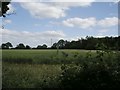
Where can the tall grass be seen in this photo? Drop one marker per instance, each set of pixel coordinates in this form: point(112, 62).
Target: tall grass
point(66, 69)
point(30, 76)
point(41, 56)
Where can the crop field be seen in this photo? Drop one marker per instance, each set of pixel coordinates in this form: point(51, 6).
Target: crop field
point(42, 56)
point(60, 69)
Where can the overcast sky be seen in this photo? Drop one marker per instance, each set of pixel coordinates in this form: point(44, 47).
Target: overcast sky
point(37, 23)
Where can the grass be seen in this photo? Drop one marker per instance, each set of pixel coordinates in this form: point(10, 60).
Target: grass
point(34, 68)
point(30, 76)
point(41, 56)
point(47, 69)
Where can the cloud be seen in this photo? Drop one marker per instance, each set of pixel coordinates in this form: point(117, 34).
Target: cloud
point(65, 0)
point(30, 38)
point(37, 24)
point(6, 21)
point(102, 32)
point(11, 9)
point(72, 3)
point(53, 1)
point(90, 22)
point(42, 10)
point(53, 9)
point(80, 22)
point(108, 22)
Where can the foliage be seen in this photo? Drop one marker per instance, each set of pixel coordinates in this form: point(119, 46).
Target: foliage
point(41, 56)
point(67, 69)
point(30, 76)
point(6, 45)
point(89, 43)
point(100, 71)
point(44, 46)
point(4, 7)
point(28, 47)
point(20, 46)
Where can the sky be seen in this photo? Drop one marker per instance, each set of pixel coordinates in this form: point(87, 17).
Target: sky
point(38, 23)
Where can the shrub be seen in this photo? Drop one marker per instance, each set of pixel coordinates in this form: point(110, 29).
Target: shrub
point(93, 72)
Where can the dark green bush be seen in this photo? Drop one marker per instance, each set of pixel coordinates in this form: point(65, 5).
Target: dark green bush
point(100, 71)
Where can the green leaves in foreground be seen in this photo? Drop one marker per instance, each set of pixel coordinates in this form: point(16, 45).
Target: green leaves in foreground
point(100, 72)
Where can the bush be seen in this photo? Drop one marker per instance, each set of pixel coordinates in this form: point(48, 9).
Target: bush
point(101, 71)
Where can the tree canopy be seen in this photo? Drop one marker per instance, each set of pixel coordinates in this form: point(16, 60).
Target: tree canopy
point(89, 43)
point(4, 7)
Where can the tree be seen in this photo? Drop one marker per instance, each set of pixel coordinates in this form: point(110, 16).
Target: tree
point(4, 46)
point(54, 46)
point(28, 47)
point(9, 44)
point(20, 46)
point(4, 7)
point(61, 43)
point(44, 46)
point(39, 47)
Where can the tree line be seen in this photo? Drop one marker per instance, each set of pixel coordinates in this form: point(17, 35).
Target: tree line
point(89, 43)
point(8, 45)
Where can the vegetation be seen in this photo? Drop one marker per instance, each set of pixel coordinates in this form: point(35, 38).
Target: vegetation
point(42, 56)
point(89, 43)
point(67, 69)
point(100, 71)
point(64, 65)
point(4, 7)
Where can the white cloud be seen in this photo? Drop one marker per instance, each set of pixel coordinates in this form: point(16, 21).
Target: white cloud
point(72, 3)
point(37, 24)
point(102, 32)
point(11, 9)
point(108, 22)
point(90, 22)
point(80, 22)
point(53, 9)
point(7, 21)
point(53, 0)
point(65, 0)
point(30, 38)
point(42, 10)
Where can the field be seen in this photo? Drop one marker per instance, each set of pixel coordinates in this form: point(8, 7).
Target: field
point(56, 69)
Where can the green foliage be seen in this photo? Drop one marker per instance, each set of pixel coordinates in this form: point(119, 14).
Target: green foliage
point(28, 47)
point(90, 43)
point(44, 46)
point(67, 69)
point(4, 7)
point(30, 76)
point(6, 45)
point(20, 46)
point(41, 56)
point(100, 71)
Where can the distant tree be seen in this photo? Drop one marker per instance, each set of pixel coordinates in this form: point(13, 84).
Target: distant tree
point(20, 46)
point(28, 47)
point(9, 44)
point(39, 47)
point(61, 43)
point(54, 46)
point(4, 46)
point(44, 46)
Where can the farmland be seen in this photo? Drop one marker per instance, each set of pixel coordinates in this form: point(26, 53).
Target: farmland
point(65, 68)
